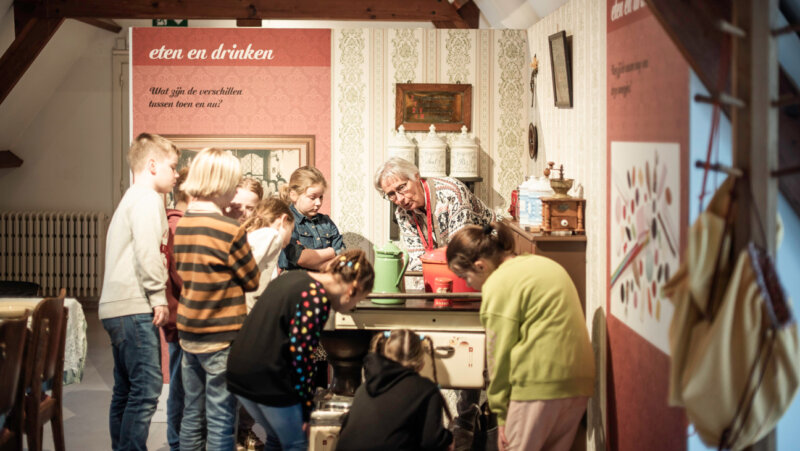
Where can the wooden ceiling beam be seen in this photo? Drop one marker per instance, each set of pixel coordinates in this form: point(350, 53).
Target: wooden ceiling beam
point(383, 10)
point(105, 24)
point(248, 22)
point(23, 12)
point(25, 48)
point(468, 11)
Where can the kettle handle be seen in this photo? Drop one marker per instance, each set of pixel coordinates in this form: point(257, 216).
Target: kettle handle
point(402, 271)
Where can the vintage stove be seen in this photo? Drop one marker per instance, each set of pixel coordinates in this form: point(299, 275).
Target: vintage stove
point(458, 337)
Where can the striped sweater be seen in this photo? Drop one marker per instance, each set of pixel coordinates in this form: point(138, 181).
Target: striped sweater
point(217, 266)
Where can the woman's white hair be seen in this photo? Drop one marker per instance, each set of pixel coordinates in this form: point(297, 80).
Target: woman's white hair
point(395, 168)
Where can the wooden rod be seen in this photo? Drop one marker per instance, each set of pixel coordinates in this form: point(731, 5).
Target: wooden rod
point(786, 100)
point(788, 171)
point(722, 98)
point(727, 27)
point(736, 172)
point(786, 30)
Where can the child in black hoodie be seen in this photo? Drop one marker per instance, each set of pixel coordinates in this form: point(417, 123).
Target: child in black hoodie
point(396, 408)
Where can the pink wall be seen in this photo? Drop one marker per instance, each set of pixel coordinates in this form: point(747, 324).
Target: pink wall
point(287, 92)
point(656, 109)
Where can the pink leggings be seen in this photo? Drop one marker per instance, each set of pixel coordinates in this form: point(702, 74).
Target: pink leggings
point(544, 425)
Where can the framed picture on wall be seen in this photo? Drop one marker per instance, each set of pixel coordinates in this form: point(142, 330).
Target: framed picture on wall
point(447, 106)
point(270, 159)
point(561, 68)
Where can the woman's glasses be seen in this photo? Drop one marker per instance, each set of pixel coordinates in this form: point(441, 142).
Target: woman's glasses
point(401, 189)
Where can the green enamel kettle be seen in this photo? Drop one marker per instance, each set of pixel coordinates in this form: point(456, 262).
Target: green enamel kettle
point(390, 265)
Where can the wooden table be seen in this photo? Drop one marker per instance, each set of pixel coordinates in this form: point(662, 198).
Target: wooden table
point(75, 346)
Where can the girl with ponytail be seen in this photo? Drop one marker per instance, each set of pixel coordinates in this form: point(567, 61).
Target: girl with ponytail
point(396, 408)
point(270, 368)
point(540, 360)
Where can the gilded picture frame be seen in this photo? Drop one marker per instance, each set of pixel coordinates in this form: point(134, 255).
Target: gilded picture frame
point(270, 159)
point(447, 106)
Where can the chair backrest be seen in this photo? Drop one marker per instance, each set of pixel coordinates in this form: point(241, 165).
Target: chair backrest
point(13, 333)
point(45, 357)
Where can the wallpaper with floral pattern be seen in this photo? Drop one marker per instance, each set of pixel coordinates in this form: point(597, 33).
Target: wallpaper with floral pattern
point(366, 65)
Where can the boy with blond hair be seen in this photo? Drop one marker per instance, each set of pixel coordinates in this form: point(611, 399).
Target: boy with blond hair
point(217, 266)
point(133, 302)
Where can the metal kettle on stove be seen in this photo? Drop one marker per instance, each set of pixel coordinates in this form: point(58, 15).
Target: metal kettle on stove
point(390, 265)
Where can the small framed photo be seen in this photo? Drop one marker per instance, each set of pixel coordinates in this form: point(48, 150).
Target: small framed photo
point(447, 106)
point(560, 64)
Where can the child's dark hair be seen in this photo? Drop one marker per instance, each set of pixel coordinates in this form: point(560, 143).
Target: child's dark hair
point(353, 266)
point(490, 242)
point(178, 194)
point(406, 348)
point(266, 212)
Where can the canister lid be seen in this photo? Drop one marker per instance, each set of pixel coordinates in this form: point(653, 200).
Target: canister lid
point(463, 139)
point(435, 256)
point(400, 139)
point(389, 249)
point(432, 140)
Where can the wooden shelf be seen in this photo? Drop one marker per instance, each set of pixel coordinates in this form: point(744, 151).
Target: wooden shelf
point(470, 179)
point(533, 236)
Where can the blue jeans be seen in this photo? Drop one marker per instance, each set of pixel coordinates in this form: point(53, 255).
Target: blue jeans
point(175, 399)
point(207, 402)
point(137, 379)
point(285, 423)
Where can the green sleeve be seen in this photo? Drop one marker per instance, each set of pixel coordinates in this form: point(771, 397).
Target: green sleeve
point(501, 335)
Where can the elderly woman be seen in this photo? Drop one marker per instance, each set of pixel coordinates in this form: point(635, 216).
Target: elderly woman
point(429, 212)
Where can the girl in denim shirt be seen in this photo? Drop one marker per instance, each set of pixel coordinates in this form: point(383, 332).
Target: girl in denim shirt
point(316, 239)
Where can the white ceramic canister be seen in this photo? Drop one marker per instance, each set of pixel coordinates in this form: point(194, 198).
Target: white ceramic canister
point(401, 146)
point(524, 200)
point(432, 155)
point(539, 189)
point(464, 156)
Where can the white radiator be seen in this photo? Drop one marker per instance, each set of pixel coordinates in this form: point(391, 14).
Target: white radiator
point(54, 249)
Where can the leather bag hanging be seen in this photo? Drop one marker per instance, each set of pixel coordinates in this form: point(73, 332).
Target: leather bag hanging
point(733, 341)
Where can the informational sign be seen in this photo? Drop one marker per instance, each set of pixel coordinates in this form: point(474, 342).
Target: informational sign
point(222, 84)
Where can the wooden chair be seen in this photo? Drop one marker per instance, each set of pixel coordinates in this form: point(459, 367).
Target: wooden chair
point(13, 333)
point(44, 363)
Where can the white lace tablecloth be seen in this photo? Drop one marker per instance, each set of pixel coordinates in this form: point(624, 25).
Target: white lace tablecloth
point(75, 346)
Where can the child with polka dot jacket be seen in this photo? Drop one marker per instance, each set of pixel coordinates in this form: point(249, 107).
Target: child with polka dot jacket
point(269, 368)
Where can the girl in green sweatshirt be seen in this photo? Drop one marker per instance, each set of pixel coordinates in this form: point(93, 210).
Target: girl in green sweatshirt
point(541, 365)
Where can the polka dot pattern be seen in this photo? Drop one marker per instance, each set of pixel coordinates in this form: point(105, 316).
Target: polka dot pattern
point(304, 331)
